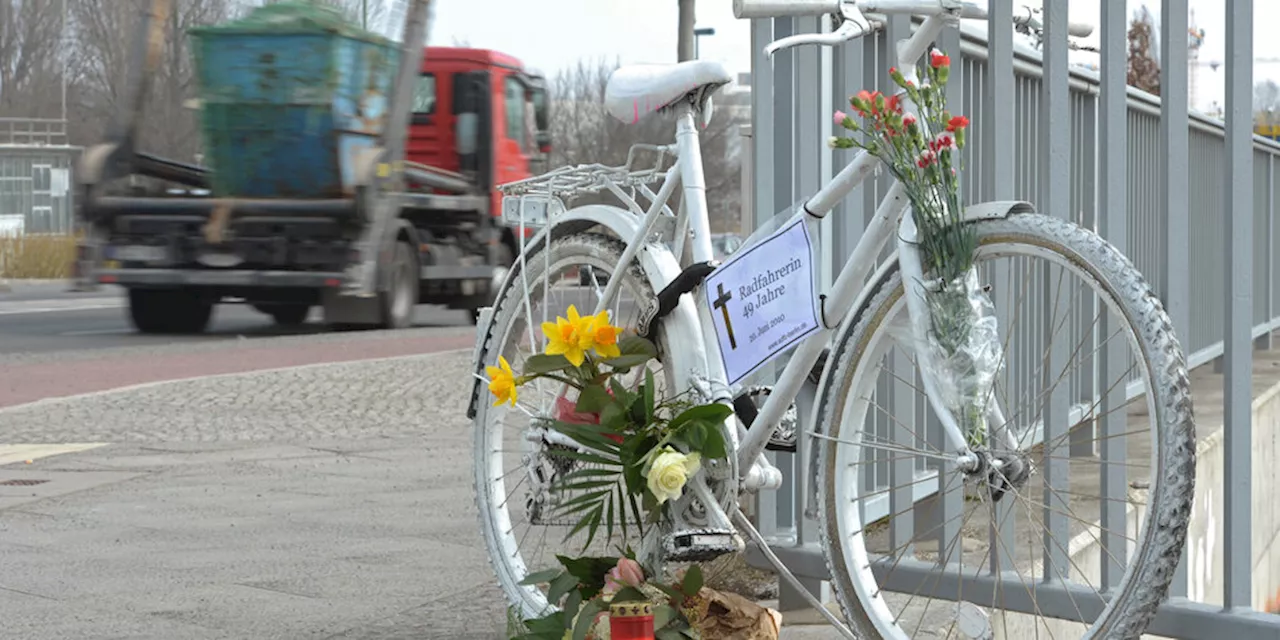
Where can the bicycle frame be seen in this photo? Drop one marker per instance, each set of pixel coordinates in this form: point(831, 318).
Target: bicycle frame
point(893, 213)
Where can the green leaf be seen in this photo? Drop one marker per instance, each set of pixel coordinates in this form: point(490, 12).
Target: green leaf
point(588, 521)
point(571, 607)
point(693, 435)
point(561, 586)
point(622, 394)
point(608, 517)
point(713, 446)
point(584, 498)
point(586, 618)
point(581, 455)
point(592, 399)
point(632, 455)
point(692, 580)
point(548, 626)
point(624, 363)
point(589, 571)
point(633, 345)
point(637, 411)
point(542, 363)
point(713, 413)
point(590, 436)
point(614, 416)
point(590, 472)
point(628, 594)
point(635, 513)
point(648, 396)
point(542, 577)
point(662, 615)
point(665, 634)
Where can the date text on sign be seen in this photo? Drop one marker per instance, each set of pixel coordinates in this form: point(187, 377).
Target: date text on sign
point(762, 301)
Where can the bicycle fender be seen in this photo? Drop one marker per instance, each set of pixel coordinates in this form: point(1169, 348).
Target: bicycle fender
point(994, 210)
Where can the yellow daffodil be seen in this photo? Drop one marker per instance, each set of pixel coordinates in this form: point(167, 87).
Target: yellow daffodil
point(604, 336)
point(502, 382)
point(570, 338)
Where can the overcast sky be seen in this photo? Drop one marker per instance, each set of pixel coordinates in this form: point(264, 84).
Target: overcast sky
point(554, 34)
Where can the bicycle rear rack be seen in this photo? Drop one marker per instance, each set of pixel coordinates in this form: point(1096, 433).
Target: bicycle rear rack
point(532, 202)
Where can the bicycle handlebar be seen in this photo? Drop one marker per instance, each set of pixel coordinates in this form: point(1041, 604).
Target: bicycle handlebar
point(751, 9)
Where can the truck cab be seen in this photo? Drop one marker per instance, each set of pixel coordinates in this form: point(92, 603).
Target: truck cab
point(479, 113)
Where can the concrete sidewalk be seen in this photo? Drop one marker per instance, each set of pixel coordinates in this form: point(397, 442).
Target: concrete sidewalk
point(337, 539)
point(327, 540)
point(276, 504)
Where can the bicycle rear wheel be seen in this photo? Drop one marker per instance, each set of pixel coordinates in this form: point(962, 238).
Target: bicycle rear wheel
point(920, 546)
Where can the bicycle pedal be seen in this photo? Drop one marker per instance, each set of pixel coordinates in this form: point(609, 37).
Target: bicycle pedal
point(700, 545)
point(747, 406)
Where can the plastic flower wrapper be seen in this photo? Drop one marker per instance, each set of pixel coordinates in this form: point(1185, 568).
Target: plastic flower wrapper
point(964, 352)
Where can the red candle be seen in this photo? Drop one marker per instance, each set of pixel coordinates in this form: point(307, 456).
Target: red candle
point(631, 621)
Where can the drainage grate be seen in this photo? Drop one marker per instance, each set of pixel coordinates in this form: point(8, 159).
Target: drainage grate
point(21, 483)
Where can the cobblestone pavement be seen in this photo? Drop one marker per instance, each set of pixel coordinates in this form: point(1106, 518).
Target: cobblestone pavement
point(330, 501)
point(362, 399)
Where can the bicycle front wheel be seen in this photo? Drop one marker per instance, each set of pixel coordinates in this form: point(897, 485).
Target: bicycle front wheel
point(1070, 526)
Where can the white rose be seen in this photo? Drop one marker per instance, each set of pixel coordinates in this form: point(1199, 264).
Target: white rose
point(669, 471)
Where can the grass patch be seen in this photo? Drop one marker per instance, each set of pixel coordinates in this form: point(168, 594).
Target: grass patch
point(37, 256)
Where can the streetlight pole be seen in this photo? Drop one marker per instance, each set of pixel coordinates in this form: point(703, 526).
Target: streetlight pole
point(685, 41)
point(62, 50)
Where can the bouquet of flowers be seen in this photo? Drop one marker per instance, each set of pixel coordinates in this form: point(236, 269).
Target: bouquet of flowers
point(636, 452)
point(641, 448)
point(607, 597)
point(922, 150)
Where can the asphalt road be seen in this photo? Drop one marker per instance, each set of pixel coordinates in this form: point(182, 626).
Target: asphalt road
point(45, 317)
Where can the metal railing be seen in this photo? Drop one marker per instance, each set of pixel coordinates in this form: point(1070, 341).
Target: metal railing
point(1177, 198)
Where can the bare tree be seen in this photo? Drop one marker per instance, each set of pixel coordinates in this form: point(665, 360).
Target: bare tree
point(1266, 102)
point(30, 62)
point(582, 133)
point(369, 14)
point(1144, 72)
point(105, 31)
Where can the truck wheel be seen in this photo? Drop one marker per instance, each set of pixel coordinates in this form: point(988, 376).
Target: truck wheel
point(401, 298)
point(161, 311)
point(288, 315)
point(505, 260)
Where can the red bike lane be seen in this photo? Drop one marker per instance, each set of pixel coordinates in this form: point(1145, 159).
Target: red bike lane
point(21, 383)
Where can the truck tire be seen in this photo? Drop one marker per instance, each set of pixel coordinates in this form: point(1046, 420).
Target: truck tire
point(505, 260)
point(168, 311)
point(288, 315)
point(401, 297)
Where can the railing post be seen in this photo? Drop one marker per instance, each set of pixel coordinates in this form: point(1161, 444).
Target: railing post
point(1264, 341)
point(1113, 225)
point(764, 171)
point(1237, 343)
point(1175, 140)
point(998, 112)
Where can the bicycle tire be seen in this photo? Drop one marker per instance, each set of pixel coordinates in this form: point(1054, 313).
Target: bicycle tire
point(1133, 605)
point(603, 253)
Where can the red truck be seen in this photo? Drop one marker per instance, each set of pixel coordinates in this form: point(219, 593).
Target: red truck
point(414, 217)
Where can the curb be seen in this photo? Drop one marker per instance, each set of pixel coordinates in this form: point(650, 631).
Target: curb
point(57, 400)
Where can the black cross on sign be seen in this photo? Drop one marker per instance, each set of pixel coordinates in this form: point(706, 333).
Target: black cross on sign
point(722, 304)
